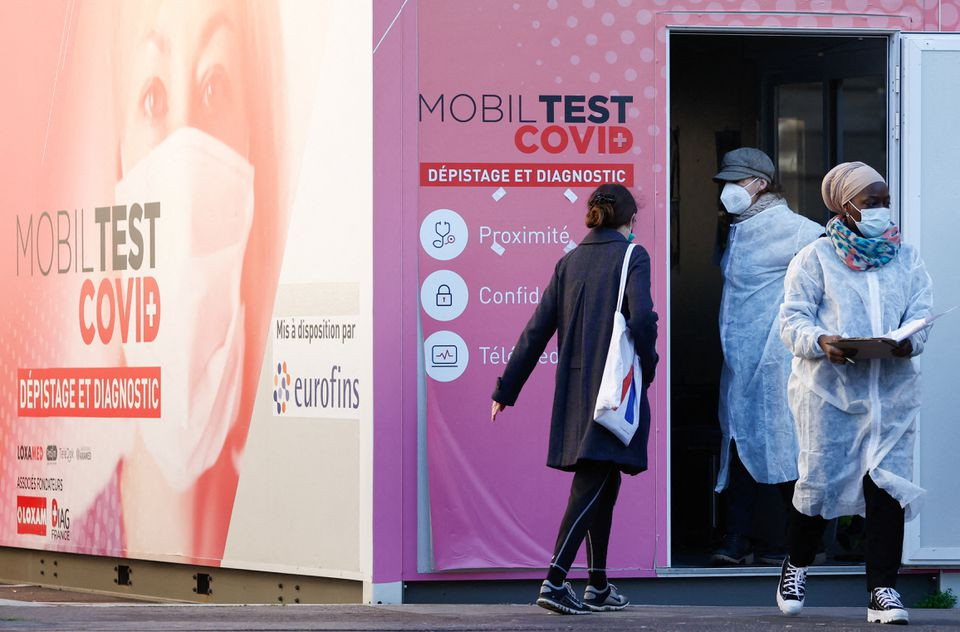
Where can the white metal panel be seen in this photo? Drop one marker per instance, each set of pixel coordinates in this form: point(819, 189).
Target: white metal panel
point(930, 213)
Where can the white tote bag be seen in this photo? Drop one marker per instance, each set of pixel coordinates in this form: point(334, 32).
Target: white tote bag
point(618, 401)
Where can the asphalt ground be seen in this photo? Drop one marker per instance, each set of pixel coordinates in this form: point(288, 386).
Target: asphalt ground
point(31, 608)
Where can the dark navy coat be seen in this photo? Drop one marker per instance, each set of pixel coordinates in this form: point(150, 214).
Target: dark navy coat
point(578, 305)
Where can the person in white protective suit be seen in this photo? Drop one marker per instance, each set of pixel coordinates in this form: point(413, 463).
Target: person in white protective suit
point(856, 418)
point(759, 445)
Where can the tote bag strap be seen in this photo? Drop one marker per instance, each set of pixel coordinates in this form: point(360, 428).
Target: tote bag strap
point(623, 276)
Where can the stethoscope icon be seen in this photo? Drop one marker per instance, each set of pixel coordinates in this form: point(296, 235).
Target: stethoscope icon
point(442, 229)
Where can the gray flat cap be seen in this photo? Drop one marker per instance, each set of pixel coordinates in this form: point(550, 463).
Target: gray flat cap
point(745, 162)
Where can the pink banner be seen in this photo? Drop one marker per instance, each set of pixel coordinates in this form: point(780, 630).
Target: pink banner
point(520, 119)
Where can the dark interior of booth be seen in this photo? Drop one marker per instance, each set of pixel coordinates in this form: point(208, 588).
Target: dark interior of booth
point(809, 103)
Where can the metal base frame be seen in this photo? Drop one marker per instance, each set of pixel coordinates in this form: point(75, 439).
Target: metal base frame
point(165, 581)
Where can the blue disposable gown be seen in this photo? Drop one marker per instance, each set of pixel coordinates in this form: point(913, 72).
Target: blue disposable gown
point(753, 385)
point(853, 419)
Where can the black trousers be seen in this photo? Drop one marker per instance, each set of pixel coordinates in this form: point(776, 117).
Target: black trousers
point(589, 516)
point(742, 492)
point(884, 525)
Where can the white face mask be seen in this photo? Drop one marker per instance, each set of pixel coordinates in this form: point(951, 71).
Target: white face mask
point(205, 190)
point(735, 198)
point(873, 221)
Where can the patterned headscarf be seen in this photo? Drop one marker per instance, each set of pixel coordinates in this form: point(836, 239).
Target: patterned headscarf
point(843, 182)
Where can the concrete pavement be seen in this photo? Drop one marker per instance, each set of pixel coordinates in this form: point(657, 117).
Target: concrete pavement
point(61, 611)
point(444, 618)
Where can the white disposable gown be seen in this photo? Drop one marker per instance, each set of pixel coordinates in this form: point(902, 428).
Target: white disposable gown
point(753, 385)
point(853, 419)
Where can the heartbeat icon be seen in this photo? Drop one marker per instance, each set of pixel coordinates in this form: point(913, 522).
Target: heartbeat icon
point(443, 355)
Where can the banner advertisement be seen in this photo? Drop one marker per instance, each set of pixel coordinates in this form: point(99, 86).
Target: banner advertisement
point(182, 314)
point(524, 109)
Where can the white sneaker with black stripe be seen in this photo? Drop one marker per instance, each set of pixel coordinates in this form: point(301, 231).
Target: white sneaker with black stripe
point(886, 607)
point(560, 599)
point(792, 588)
point(604, 599)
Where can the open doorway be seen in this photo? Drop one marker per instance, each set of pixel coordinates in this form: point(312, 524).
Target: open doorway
point(809, 103)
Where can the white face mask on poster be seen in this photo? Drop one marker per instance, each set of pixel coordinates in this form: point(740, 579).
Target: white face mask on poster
point(735, 198)
point(873, 221)
point(205, 190)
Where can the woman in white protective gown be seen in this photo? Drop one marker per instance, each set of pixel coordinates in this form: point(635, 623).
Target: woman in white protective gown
point(856, 419)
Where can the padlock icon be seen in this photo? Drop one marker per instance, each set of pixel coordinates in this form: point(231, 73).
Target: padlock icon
point(444, 296)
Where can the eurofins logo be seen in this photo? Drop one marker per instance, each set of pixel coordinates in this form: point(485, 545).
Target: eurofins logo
point(281, 387)
point(307, 396)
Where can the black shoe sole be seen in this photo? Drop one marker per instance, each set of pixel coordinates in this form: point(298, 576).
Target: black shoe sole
point(559, 608)
point(769, 561)
point(726, 560)
point(820, 558)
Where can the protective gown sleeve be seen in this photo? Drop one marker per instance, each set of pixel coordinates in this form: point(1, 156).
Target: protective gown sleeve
point(530, 346)
point(803, 290)
point(920, 302)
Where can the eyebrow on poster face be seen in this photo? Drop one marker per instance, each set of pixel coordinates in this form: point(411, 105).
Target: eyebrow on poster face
point(216, 21)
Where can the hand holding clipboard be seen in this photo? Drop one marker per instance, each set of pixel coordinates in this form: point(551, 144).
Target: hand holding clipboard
point(883, 346)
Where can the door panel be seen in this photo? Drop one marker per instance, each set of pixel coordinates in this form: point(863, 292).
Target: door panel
point(930, 146)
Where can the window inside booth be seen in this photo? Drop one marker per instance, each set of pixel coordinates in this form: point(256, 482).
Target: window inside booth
point(808, 103)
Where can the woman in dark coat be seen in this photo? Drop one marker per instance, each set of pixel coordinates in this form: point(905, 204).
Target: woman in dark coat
point(579, 304)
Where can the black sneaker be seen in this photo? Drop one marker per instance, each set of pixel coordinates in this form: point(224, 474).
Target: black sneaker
point(604, 600)
point(560, 599)
point(736, 550)
point(886, 607)
point(791, 588)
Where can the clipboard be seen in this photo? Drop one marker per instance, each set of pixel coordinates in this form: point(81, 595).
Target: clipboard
point(884, 346)
point(866, 348)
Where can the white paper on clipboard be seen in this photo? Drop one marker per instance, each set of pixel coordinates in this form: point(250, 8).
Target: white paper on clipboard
point(904, 332)
point(884, 346)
